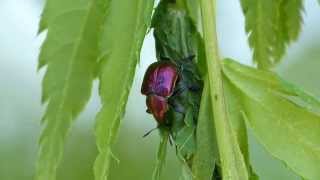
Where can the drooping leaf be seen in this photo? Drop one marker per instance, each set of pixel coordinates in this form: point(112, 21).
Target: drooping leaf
point(271, 26)
point(125, 27)
point(284, 119)
point(206, 155)
point(161, 156)
point(69, 54)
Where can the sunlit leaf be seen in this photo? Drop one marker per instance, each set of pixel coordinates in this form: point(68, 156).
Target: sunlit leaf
point(69, 54)
point(125, 27)
point(284, 119)
point(235, 114)
point(271, 26)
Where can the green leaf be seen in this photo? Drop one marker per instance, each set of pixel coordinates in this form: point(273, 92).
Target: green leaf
point(207, 149)
point(271, 26)
point(174, 32)
point(125, 28)
point(69, 54)
point(284, 119)
point(185, 141)
point(193, 9)
point(161, 156)
point(235, 114)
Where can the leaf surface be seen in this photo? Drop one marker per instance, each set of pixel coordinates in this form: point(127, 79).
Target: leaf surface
point(235, 114)
point(207, 149)
point(69, 54)
point(283, 118)
point(271, 26)
point(124, 31)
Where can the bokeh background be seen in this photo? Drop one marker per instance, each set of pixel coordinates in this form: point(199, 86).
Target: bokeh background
point(20, 92)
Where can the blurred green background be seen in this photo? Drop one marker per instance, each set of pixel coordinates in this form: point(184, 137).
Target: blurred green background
point(20, 93)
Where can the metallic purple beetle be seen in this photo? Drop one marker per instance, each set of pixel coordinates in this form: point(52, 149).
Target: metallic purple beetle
point(158, 85)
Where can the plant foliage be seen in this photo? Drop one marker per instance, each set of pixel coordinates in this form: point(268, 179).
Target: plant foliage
point(88, 39)
point(207, 155)
point(77, 34)
point(233, 165)
point(283, 118)
point(271, 26)
point(69, 54)
point(161, 156)
point(119, 55)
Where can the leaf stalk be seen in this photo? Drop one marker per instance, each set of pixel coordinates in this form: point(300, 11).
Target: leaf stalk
point(213, 61)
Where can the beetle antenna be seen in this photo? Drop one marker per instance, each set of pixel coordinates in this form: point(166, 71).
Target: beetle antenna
point(170, 140)
point(150, 131)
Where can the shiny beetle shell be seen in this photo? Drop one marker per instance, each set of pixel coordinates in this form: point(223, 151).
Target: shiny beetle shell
point(158, 106)
point(158, 85)
point(160, 79)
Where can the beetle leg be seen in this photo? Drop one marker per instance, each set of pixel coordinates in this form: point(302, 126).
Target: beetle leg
point(170, 140)
point(150, 131)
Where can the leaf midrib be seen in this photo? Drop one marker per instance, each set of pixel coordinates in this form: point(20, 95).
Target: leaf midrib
point(311, 145)
point(70, 69)
point(114, 126)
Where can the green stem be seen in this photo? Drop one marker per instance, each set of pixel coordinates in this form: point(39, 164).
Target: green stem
point(161, 156)
point(222, 125)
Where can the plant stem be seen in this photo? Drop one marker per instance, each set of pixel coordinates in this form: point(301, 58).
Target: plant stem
point(223, 129)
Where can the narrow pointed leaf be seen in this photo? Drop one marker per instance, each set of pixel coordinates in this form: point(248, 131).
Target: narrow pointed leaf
point(284, 119)
point(271, 26)
point(69, 54)
point(125, 27)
